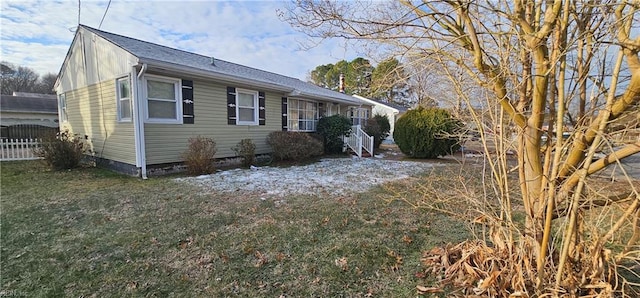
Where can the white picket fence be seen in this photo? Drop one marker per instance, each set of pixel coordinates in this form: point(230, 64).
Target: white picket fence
point(18, 149)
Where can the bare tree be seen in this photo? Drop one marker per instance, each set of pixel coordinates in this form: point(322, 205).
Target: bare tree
point(17, 78)
point(534, 60)
point(45, 84)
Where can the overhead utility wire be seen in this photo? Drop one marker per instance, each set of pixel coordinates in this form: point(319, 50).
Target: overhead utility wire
point(105, 14)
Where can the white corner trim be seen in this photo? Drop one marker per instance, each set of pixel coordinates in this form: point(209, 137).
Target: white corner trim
point(138, 120)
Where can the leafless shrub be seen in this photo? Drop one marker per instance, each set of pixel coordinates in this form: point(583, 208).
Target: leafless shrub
point(199, 155)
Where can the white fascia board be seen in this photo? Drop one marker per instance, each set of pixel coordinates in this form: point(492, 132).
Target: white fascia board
point(395, 111)
point(331, 99)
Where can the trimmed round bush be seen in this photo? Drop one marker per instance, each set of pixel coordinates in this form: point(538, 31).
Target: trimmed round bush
point(427, 133)
point(332, 128)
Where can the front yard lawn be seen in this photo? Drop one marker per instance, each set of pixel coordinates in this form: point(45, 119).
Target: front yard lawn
point(90, 232)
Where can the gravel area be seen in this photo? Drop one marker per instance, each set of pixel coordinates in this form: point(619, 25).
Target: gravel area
point(334, 176)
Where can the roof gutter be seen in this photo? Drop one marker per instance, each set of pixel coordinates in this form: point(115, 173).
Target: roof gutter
point(138, 123)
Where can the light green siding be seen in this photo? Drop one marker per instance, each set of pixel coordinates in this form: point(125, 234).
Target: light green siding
point(92, 112)
point(166, 142)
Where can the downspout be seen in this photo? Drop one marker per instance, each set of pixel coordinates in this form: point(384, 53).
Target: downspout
point(138, 123)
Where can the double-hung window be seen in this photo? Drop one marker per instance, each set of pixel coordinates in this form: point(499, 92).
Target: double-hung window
point(164, 104)
point(247, 107)
point(62, 106)
point(123, 92)
point(303, 115)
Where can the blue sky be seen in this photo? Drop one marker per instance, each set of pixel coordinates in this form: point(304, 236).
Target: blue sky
point(37, 34)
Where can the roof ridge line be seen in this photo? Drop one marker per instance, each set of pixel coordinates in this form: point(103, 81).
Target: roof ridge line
point(188, 52)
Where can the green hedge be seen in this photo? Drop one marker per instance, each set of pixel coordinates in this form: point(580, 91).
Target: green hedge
point(427, 133)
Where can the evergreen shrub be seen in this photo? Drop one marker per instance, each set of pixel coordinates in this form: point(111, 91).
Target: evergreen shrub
point(332, 129)
point(427, 133)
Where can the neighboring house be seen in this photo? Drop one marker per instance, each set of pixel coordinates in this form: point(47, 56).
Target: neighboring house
point(25, 115)
point(138, 103)
point(391, 110)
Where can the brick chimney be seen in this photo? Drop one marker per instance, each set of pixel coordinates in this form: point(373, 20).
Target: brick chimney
point(341, 84)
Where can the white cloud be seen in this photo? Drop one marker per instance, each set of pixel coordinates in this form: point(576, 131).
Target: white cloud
point(36, 33)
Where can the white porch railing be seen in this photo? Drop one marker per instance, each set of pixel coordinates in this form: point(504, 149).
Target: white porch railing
point(359, 140)
point(18, 149)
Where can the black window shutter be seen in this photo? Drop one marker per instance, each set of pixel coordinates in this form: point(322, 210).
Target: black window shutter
point(285, 119)
point(321, 110)
point(231, 105)
point(261, 108)
point(187, 102)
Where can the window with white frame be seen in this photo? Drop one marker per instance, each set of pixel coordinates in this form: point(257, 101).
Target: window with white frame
point(62, 105)
point(246, 107)
point(332, 109)
point(163, 100)
point(123, 94)
point(303, 115)
point(359, 116)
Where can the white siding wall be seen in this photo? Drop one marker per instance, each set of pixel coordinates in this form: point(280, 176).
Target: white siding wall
point(92, 60)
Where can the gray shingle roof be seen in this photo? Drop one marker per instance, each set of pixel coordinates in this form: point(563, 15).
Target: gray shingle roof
point(150, 51)
point(9, 103)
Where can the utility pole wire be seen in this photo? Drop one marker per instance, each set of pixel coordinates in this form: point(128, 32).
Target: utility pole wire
point(105, 14)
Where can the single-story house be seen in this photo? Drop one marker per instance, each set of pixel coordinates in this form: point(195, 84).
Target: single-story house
point(391, 110)
point(138, 103)
point(25, 115)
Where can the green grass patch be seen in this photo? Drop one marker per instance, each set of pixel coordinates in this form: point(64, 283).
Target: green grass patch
point(91, 232)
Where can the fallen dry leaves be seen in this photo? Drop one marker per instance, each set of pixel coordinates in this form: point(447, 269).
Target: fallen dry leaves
point(474, 269)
